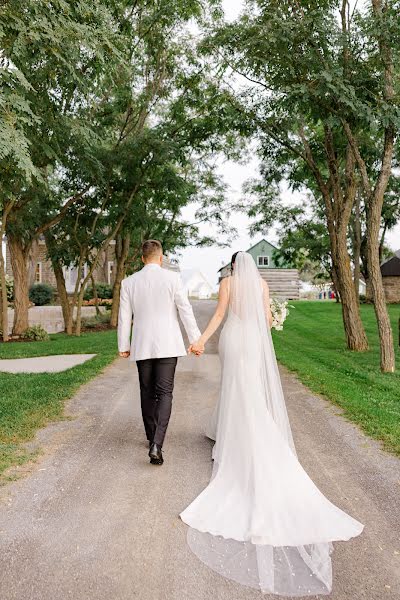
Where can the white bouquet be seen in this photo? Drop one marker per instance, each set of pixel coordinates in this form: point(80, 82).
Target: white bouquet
point(280, 311)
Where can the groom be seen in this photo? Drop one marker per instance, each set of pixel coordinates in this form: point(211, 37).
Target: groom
point(152, 296)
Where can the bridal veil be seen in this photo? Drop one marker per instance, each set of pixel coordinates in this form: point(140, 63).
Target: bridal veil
point(261, 521)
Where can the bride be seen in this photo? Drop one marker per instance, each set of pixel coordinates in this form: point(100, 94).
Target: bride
point(261, 521)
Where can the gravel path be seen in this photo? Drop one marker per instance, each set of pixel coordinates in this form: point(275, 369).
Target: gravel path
point(92, 520)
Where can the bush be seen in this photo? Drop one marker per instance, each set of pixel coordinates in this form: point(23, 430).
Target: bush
point(41, 294)
point(9, 287)
point(104, 291)
point(93, 322)
point(36, 333)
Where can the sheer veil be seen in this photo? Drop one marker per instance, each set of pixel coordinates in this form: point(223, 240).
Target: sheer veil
point(260, 521)
point(246, 302)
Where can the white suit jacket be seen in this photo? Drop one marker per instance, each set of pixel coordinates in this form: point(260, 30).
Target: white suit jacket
point(153, 296)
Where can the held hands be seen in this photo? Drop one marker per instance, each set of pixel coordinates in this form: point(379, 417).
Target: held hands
point(124, 354)
point(196, 348)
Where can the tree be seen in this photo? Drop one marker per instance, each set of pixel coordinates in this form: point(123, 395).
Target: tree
point(153, 129)
point(52, 55)
point(321, 80)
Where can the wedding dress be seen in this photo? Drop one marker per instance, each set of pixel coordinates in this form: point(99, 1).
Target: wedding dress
point(261, 521)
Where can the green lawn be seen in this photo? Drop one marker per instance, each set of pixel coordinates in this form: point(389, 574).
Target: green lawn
point(29, 401)
point(312, 345)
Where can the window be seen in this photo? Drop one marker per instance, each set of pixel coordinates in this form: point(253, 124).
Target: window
point(38, 273)
point(110, 271)
point(263, 261)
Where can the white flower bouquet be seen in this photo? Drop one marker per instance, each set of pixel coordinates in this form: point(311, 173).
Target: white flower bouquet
point(280, 311)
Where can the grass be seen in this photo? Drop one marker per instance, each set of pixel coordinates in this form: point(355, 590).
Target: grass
point(312, 345)
point(30, 401)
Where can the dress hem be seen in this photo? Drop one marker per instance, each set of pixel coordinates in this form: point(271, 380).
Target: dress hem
point(274, 544)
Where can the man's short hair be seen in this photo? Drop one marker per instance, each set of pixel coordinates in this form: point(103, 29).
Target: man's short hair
point(151, 248)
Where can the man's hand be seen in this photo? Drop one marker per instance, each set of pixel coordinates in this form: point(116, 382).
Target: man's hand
point(196, 348)
point(124, 354)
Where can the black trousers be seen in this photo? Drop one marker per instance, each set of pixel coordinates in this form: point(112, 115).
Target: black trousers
point(156, 377)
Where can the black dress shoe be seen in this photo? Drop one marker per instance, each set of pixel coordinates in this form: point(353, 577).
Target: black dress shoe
point(156, 457)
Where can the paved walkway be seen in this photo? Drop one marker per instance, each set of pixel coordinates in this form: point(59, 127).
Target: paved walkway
point(43, 364)
point(94, 521)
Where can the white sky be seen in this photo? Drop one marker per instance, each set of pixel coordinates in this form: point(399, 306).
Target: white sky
point(209, 260)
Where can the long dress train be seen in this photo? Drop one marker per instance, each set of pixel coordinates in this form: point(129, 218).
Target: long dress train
point(261, 521)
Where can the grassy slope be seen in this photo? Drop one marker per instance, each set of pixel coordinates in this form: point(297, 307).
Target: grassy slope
point(29, 401)
point(312, 345)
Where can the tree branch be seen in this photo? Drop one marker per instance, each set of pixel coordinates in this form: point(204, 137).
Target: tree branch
point(57, 218)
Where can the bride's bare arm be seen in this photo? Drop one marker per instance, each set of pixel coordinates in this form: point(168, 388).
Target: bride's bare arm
point(216, 319)
point(267, 306)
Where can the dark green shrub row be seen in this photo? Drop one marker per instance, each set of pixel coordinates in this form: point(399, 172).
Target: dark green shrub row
point(104, 291)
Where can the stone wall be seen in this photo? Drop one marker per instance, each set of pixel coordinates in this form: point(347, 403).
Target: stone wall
point(391, 286)
point(50, 317)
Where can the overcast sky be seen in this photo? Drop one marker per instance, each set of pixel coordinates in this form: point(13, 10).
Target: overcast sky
point(209, 260)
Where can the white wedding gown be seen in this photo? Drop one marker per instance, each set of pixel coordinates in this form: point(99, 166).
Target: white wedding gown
point(261, 521)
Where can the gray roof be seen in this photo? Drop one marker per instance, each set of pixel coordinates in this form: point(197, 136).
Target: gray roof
point(251, 248)
point(391, 267)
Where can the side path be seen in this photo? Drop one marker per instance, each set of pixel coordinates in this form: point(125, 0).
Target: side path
point(95, 521)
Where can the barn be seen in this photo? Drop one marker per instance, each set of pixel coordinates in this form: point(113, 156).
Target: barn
point(283, 283)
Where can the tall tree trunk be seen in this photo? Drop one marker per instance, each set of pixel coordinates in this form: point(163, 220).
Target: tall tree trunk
point(60, 281)
point(378, 293)
point(63, 296)
point(3, 299)
point(338, 205)
point(18, 254)
point(335, 284)
point(78, 323)
point(32, 259)
point(121, 255)
point(95, 296)
point(382, 242)
point(356, 338)
point(354, 328)
point(375, 195)
point(357, 245)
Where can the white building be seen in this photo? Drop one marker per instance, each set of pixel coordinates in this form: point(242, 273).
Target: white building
point(195, 284)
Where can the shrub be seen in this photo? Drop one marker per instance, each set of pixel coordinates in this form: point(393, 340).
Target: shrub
point(36, 333)
point(104, 291)
point(92, 322)
point(41, 294)
point(9, 287)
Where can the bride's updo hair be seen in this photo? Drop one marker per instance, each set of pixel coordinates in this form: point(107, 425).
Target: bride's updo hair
point(234, 255)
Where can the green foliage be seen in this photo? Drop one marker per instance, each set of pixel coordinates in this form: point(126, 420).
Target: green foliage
point(51, 56)
point(304, 244)
point(10, 288)
point(41, 294)
point(104, 290)
point(36, 333)
point(304, 70)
